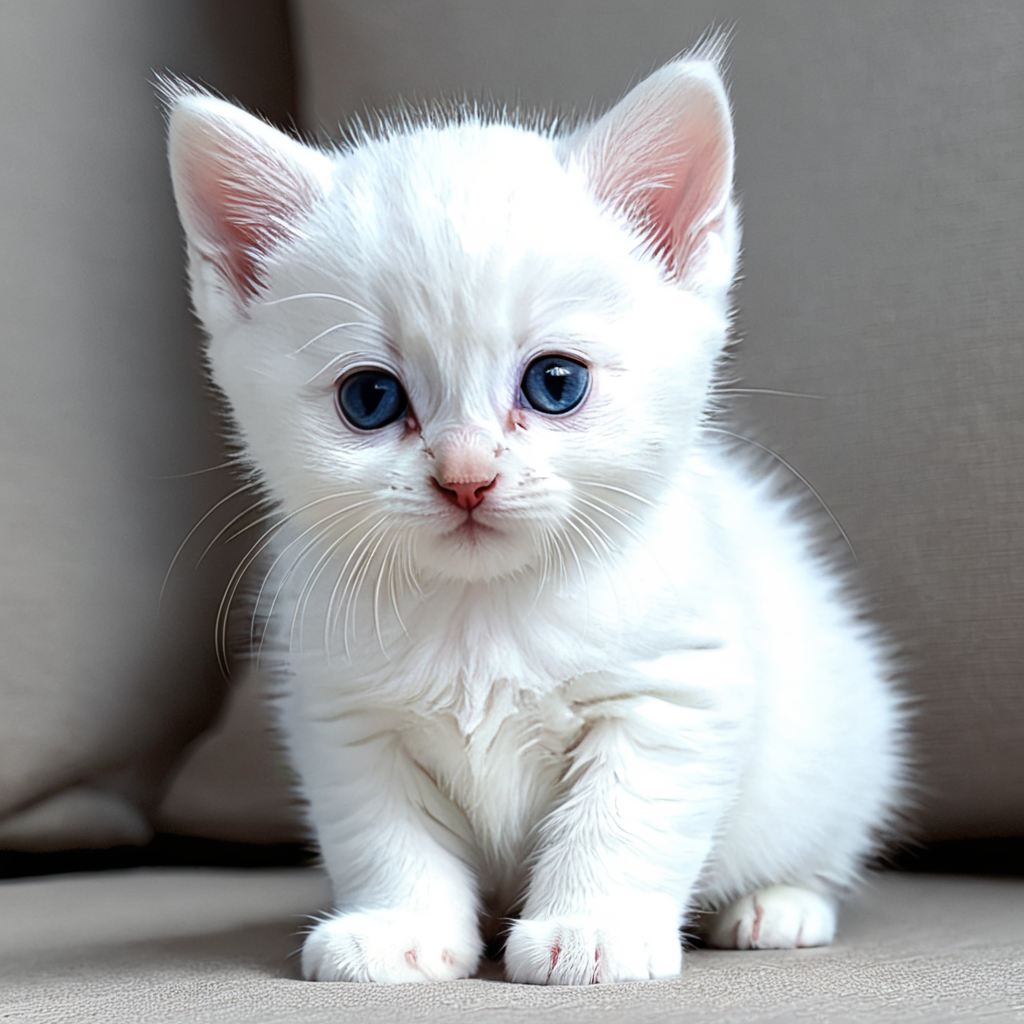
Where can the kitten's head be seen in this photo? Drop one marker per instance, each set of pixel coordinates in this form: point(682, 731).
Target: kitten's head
point(470, 346)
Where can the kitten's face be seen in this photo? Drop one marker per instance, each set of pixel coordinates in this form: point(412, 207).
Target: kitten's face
point(456, 357)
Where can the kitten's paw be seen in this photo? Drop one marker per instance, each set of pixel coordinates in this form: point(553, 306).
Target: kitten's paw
point(581, 951)
point(390, 946)
point(779, 917)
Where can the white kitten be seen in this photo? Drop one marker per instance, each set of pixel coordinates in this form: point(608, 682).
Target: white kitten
point(543, 648)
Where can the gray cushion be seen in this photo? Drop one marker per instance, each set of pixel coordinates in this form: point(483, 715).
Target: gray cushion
point(102, 405)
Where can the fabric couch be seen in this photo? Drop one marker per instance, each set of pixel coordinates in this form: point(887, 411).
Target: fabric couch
point(881, 173)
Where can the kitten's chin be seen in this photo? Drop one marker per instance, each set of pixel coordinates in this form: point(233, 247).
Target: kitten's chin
point(475, 552)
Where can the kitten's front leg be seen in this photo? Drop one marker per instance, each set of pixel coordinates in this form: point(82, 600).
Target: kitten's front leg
point(406, 906)
point(621, 854)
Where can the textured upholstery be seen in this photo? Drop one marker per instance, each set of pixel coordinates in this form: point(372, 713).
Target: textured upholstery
point(213, 947)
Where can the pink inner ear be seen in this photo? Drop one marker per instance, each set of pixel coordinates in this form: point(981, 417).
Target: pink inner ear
point(666, 161)
point(242, 188)
point(692, 202)
point(246, 222)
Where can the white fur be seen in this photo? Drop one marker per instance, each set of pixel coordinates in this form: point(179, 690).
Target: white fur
point(636, 692)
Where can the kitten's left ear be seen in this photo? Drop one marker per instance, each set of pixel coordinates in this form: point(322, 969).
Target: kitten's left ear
point(242, 188)
point(663, 156)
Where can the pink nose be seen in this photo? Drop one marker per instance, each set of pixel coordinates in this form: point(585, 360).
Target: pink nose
point(466, 494)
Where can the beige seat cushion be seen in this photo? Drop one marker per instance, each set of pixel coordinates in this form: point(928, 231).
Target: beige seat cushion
point(215, 947)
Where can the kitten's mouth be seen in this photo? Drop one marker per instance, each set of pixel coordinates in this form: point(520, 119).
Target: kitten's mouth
point(471, 530)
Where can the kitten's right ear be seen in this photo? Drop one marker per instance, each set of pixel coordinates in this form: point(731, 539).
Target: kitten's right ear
point(242, 187)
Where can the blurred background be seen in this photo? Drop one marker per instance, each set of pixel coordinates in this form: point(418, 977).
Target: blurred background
point(880, 172)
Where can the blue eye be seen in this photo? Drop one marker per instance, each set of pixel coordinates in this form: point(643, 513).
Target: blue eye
point(555, 384)
point(371, 399)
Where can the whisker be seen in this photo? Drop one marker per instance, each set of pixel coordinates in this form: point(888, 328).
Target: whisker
point(600, 535)
point(250, 557)
point(410, 573)
point(328, 497)
point(324, 526)
point(602, 538)
point(611, 516)
point(767, 391)
point(396, 557)
point(235, 519)
point(356, 559)
point(563, 571)
point(775, 455)
point(583, 575)
point(324, 333)
point(227, 598)
point(298, 617)
point(376, 590)
point(621, 490)
point(605, 503)
point(545, 544)
point(341, 357)
point(545, 554)
point(342, 585)
point(319, 295)
point(359, 575)
point(280, 589)
point(230, 464)
point(191, 533)
point(573, 522)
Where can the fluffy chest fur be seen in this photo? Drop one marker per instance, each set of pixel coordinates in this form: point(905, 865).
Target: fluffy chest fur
point(503, 774)
point(491, 690)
